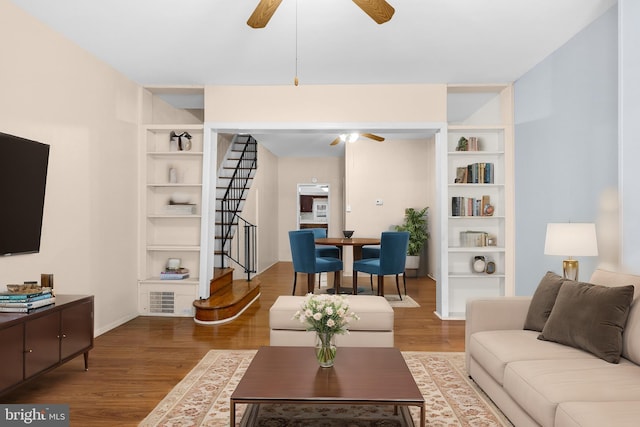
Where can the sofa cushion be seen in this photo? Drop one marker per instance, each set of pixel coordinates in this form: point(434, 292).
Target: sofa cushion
point(538, 386)
point(494, 350)
point(631, 334)
point(542, 302)
point(590, 317)
point(598, 414)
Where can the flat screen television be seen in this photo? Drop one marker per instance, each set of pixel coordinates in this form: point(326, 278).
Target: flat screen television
point(23, 179)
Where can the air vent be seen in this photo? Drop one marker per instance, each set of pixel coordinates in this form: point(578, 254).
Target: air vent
point(161, 302)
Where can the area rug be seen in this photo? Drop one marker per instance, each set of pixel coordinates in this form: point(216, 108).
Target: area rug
point(202, 397)
point(406, 302)
point(274, 415)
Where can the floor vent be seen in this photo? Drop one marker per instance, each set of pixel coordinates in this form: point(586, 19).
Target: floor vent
point(161, 302)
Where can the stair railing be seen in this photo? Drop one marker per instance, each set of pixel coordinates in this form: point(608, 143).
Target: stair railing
point(230, 207)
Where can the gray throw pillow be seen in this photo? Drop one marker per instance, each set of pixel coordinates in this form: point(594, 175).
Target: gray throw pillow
point(590, 317)
point(542, 301)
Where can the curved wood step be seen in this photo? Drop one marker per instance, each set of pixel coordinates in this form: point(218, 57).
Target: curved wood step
point(227, 303)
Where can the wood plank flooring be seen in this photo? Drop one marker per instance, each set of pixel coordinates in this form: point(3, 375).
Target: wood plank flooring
point(134, 366)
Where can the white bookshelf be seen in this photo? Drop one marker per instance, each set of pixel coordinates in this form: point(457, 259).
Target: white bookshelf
point(484, 112)
point(165, 234)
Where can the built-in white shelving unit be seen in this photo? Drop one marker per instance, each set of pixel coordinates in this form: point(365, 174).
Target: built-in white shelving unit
point(484, 112)
point(167, 233)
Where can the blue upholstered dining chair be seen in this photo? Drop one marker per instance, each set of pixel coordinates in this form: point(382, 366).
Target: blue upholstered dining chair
point(305, 260)
point(371, 251)
point(393, 256)
point(324, 250)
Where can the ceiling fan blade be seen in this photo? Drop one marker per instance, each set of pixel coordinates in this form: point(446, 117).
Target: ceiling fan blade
point(263, 13)
point(335, 141)
point(379, 10)
point(373, 136)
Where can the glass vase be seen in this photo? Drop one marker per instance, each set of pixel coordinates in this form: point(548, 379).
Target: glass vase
point(325, 349)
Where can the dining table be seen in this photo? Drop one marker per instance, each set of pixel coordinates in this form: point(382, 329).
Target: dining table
point(356, 243)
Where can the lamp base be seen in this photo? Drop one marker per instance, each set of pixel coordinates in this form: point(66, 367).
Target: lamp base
point(570, 269)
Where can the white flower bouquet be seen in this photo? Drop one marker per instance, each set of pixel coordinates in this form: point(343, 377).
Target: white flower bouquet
point(326, 314)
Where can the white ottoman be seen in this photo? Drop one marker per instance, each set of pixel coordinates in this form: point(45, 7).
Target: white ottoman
point(373, 329)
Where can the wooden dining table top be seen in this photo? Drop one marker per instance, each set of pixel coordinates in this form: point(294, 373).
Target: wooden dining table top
point(341, 241)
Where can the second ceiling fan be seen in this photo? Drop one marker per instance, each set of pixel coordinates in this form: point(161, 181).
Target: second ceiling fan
point(379, 10)
point(352, 137)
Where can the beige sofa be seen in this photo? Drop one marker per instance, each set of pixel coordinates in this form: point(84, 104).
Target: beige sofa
point(373, 329)
point(544, 383)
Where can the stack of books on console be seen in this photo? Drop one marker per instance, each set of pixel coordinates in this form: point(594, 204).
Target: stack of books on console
point(25, 301)
point(177, 274)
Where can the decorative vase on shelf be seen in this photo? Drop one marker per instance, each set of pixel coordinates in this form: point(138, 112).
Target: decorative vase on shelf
point(325, 349)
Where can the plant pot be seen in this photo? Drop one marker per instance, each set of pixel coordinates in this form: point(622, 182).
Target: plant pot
point(412, 262)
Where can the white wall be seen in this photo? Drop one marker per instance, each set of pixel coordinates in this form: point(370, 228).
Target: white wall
point(397, 172)
point(301, 170)
point(56, 93)
point(565, 145)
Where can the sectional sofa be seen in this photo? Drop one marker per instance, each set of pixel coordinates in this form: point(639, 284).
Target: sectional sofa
point(568, 356)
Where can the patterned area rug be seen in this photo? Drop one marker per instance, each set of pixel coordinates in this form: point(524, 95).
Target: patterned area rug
point(202, 397)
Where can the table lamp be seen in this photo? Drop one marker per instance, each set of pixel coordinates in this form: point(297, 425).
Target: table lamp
point(571, 239)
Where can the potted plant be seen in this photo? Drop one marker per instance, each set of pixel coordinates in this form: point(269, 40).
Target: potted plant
point(415, 222)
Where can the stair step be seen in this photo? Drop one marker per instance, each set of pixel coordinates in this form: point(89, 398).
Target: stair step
point(222, 277)
point(227, 303)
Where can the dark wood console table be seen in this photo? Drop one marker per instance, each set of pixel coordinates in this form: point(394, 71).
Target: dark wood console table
point(37, 342)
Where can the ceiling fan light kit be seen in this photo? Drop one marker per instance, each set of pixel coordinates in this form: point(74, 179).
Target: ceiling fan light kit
point(354, 136)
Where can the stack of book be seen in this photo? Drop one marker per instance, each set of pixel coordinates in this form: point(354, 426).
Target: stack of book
point(177, 274)
point(17, 302)
point(473, 238)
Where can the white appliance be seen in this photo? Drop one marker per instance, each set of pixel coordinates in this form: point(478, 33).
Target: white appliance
point(320, 210)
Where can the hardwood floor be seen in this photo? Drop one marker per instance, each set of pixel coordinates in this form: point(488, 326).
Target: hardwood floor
point(133, 367)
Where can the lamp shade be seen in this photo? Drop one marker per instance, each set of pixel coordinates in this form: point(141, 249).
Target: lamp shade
point(571, 239)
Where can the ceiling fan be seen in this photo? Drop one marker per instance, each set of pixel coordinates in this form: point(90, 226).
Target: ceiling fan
point(379, 10)
point(352, 137)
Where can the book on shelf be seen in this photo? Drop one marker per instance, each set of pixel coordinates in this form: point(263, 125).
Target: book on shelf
point(475, 173)
point(469, 239)
point(25, 307)
point(470, 206)
point(178, 274)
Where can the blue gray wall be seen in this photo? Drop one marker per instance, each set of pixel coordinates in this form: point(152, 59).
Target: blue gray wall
point(566, 155)
point(629, 89)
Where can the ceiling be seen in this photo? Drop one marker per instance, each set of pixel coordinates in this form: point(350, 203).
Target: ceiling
point(207, 42)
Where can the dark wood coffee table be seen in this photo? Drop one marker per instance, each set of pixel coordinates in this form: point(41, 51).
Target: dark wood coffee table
point(360, 376)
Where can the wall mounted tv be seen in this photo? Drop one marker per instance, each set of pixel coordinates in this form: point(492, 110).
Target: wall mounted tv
point(23, 178)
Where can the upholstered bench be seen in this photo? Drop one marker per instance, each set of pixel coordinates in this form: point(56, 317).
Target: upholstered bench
point(373, 329)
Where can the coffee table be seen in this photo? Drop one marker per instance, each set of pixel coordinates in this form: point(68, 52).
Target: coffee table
point(360, 376)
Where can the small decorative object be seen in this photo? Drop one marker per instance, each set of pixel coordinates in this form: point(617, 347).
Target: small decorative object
point(179, 198)
point(488, 210)
point(463, 144)
point(173, 263)
point(479, 263)
point(491, 267)
point(173, 176)
point(327, 315)
point(181, 141)
point(347, 234)
point(491, 241)
point(472, 145)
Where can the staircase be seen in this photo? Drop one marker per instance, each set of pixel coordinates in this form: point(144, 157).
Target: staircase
point(235, 238)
